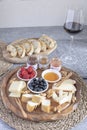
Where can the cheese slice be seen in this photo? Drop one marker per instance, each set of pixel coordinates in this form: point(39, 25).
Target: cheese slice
point(55, 97)
point(37, 98)
point(26, 97)
point(15, 95)
point(65, 98)
point(17, 86)
point(68, 81)
point(67, 87)
point(31, 106)
point(45, 106)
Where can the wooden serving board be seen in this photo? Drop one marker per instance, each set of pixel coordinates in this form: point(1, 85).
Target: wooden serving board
point(11, 59)
point(37, 115)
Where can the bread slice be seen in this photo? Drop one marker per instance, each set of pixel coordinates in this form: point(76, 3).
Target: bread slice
point(36, 44)
point(48, 41)
point(31, 106)
point(20, 50)
point(26, 97)
point(12, 50)
point(31, 50)
point(17, 86)
point(43, 46)
point(46, 105)
point(27, 47)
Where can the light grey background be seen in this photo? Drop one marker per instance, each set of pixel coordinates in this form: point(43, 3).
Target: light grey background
point(27, 13)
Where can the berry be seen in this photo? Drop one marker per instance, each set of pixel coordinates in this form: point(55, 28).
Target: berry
point(26, 76)
point(22, 69)
point(30, 69)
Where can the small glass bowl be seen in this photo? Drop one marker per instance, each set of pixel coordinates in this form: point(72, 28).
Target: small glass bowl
point(55, 63)
point(32, 61)
point(43, 62)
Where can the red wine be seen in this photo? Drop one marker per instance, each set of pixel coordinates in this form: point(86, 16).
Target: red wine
point(73, 27)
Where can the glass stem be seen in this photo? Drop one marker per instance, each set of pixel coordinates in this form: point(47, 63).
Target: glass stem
point(71, 43)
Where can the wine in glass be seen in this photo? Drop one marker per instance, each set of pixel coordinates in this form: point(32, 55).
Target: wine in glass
point(73, 25)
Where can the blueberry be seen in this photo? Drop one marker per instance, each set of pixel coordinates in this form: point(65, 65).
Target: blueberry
point(36, 86)
point(40, 89)
point(34, 80)
point(31, 87)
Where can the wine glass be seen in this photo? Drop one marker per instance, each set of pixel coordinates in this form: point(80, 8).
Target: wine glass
point(73, 25)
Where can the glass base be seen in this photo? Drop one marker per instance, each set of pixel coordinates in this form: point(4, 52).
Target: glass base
point(68, 59)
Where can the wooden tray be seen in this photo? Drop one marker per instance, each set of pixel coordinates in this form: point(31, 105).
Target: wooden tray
point(37, 115)
point(8, 57)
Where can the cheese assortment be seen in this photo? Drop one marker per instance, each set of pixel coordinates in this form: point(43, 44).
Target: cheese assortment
point(62, 95)
point(31, 46)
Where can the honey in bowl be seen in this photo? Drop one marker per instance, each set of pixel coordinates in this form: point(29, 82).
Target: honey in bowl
point(51, 76)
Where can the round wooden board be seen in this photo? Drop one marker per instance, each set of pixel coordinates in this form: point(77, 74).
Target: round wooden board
point(8, 57)
point(37, 115)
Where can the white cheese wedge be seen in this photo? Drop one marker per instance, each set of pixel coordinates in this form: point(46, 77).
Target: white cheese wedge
point(31, 106)
point(67, 87)
point(15, 95)
point(68, 81)
point(55, 97)
point(45, 106)
point(26, 97)
point(17, 86)
point(37, 98)
point(65, 98)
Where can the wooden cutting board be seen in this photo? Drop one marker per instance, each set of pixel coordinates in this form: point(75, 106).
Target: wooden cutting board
point(37, 115)
point(8, 57)
point(4, 65)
